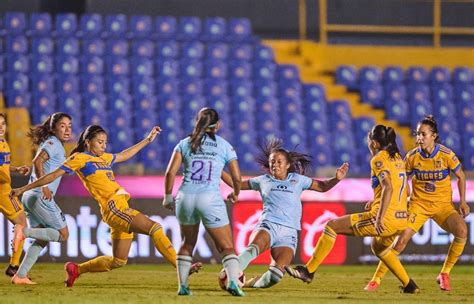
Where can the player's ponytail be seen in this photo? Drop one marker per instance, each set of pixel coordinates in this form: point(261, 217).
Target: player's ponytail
point(431, 122)
point(89, 133)
point(299, 163)
point(386, 137)
point(207, 118)
point(40, 133)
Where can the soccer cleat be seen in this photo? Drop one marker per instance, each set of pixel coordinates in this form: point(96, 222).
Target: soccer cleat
point(11, 270)
point(300, 272)
point(18, 237)
point(72, 272)
point(22, 281)
point(444, 282)
point(410, 288)
point(372, 286)
point(195, 268)
point(235, 290)
point(251, 282)
point(184, 291)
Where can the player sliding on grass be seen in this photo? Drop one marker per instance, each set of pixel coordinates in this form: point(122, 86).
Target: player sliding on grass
point(386, 218)
point(94, 167)
point(278, 226)
point(203, 154)
point(11, 207)
point(431, 164)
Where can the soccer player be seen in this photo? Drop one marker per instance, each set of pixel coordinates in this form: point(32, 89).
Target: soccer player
point(11, 208)
point(386, 218)
point(204, 154)
point(94, 167)
point(45, 217)
point(431, 164)
point(278, 226)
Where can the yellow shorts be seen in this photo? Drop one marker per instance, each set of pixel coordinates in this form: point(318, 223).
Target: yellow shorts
point(421, 212)
point(363, 224)
point(11, 207)
point(118, 215)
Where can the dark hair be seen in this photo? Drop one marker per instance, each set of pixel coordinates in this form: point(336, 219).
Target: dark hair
point(206, 118)
point(4, 116)
point(39, 133)
point(299, 163)
point(431, 122)
point(386, 137)
point(89, 133)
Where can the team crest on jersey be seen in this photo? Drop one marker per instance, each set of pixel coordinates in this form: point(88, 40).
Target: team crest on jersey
point(418, 165)
point(438, 164)
point(399, 166)
point(378, 164)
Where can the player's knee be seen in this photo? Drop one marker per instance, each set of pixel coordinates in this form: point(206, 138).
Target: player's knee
point(460, 231)
point(64, 235)
point(117, 263)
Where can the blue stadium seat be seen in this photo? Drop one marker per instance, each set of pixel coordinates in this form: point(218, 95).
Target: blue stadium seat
point(41, 24)
point(142, 67)
point(169, 104)
point(241, 88)
point(241, 52)
point(418, 110)
point(347, 76)
point(463, 75)
point(264, 70)
point(215, 87)
point(117, 85)
point(165, 27)
point(167, 68)
point(152, 157)
point(189, 28)
point(143, 48)
point(18, 83)
point(67, 47)
point(65, 25)
point(167, 49)
point(191, 87)
point(439, 75)
point(18, 64)
point(92, 84)
point(116, 25)
point(363, 125)
point(464, 93)
point(18, 99)
point(265, 88)
point(214, 29)
point(287, 72)
point(71, 104)
point(17, 45)
point(67, 85)
point(397, 110)
point(140, 26)
point(453, 141)
point(91, 25)
point(444, 110)
point(372, 94)
point(418, 92)
point(191, 69)
point(222, 104)
point(42, 83)
point(120, 105)
point(117, 48)
point(392, 75)
point(446, 126)
point(192, 50)
point(43, 106)
point(191, 106)
point(218, 51)
point(396, 91)
point(290, 106)
point(143, 86)
point(468, 162)
point(167, 86)
point(264, 53)
point(417, 74)
point(240, 69)
point(93, 47)
point(442, 93)
point(15, 23)
point(145, 105)
point(42, 64)
point(118, 67)
point(290, 89)
point(313, 91)
point(239, 30)
point(216, 69)
point(370, 75)
point(122, 137)
point(42, 46)
point(92, 65)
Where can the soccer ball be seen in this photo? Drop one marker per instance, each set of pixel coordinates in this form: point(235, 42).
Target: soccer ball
point(223, 279)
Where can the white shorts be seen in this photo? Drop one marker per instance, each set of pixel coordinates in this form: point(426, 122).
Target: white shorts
point(280, 236)
point(206, 207)
point(42, 212)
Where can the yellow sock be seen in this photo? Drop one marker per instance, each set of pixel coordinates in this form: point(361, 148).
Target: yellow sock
point(381, 270)
point(455, 250)
point(15, 258)
point(163, 244)
point(99, 264)
point(323, 247)
point(390, 258)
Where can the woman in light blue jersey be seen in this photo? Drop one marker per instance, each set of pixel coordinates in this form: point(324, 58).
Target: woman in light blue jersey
point(45, 217)
point(203, 155)
point(278, 226)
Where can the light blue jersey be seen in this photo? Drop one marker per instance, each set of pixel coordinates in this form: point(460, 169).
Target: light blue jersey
point(281, 198)
point(57, 155)
point(203, 169)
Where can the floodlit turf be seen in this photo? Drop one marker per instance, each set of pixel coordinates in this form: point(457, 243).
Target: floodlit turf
point(157, 284)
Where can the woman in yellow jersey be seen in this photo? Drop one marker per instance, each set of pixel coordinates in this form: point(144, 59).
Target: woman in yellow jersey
point(94, 167)
point(385, 219)
point(431, 164)
point(11, 207)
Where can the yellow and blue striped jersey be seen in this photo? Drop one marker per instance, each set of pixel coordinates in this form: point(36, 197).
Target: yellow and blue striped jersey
point(5, 179)
point(431, 174)
point(95, 173)
point(380, 165)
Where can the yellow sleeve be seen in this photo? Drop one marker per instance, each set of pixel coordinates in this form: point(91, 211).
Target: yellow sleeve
point(73, 163)
point(108, 158)
point(453, 162)
point(378, 166)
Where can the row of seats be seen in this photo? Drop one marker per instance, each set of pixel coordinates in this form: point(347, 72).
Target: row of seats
point(211, 29)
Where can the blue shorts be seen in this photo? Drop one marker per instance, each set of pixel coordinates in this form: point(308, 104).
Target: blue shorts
point(42, 212)
point(280, 236)
point(206, 207)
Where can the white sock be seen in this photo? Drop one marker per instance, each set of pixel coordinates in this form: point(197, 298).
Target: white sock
point(43, 234)
point(183, 265)
point(232, 267)
point(248, 255)
point(271, 277)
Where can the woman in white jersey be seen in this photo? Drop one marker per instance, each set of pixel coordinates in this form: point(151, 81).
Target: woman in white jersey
point(278, 226)
point(47, 222)
point(203, 155)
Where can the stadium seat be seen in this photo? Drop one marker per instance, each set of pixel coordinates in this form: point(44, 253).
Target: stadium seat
point(263, 70)
point(117, 85)
point(67, 47)
point(214, 29)
point(217, 51)
point(118, 67)
point(287, 72)
point(189, 28)
point(92, 65)
point(239, 69)
point(17, 45)
point(264, 53)
point(191, 69)
point(442, 93)
point(140, 26)
point(416, 75)
point(167, 49)
point(346, 75)
point(241, 52)
point(116, 25)
point(397, 110)
point(91, 25)
point(143, 48)
point(192, 50)
point(439, 75)
point(18, 64)
point(215, 87)
point(463, 75)
point(67, 85)
point(42, 64)
point(117, 48)
point(395, 91)
point(42, 83)
point(239, 30)
point(373, 95)
point(392, 75)
point(42, 46)
point(165, 27)
point(215, 69)
point(191, 87)
point(93, 47)
point(167, 68)
point(369, 75)
point(65, 25)
point(41, 24)
point(15, 23)
point(142, 67)
point(92, 84)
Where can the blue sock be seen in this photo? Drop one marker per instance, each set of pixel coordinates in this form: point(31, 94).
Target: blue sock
point(43, 234)
point(29, 260)
point(248, 255)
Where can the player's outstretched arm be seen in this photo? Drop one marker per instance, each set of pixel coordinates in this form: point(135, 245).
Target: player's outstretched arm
point(130, 152)
point(44, 180)
point(244, 184)
point(326, 185)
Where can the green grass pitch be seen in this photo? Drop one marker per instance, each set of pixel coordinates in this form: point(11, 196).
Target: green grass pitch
point(157, 284)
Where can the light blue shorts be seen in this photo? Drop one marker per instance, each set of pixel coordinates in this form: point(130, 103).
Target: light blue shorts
point(206, 207)
point(280, 236)
point(41, 212)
